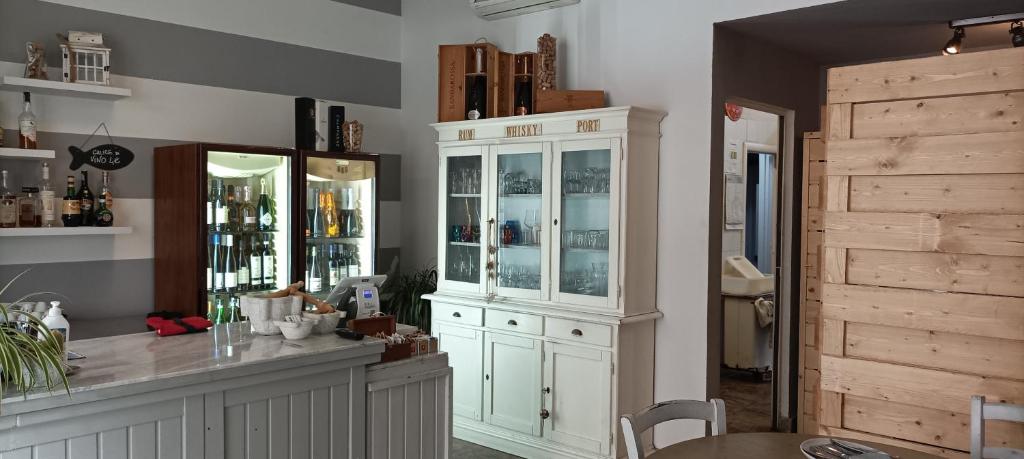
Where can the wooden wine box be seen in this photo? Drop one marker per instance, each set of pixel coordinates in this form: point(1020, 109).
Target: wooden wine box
point(455, 67)
point(553, 100)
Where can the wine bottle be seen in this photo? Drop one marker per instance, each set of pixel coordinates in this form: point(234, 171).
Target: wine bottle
point(209, 206)
point(230, 268)
point(105, 190)
point(248, 210)
point(71, 213)
point(476, 88)
point(264, 214)
point(317, 223)
point(218, 267)
point(255, 264)
point(85, 201)
point(48, 198)
point(233, 220)
point(220, 209)
point(27, 125)
point(353, 264)
point(269, 282)
point(315, 274)
point(331, 227)
point(244, 278)
point(333, 270)
point(104, 216)
point(309, 256)
point(209, 268)
point(8, 204)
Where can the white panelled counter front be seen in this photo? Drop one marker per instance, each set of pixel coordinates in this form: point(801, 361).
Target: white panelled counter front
point(227, 393)
point(547, 259)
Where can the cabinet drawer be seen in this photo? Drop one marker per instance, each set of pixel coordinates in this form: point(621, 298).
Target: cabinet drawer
point(458, 314)
point(515, 321)
point(584, 332)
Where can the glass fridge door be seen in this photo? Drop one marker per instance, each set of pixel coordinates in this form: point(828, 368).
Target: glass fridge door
point(587, 217)
point(249, 228)
point(521, 187)
point(340, 220)
point(462, 259)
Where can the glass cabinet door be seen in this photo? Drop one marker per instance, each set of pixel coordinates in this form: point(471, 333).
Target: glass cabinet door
point(462, 257)
point(586, 215)
point(520, 184)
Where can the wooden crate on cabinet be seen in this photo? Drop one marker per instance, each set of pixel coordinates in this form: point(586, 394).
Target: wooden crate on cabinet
point(455, 66)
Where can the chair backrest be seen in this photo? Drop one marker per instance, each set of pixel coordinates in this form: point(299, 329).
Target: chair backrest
point(634, 425)
point(982, 411)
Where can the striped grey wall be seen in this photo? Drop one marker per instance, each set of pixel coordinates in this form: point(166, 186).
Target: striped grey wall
point(163, 51)
point(95, 289)
point(385, 6)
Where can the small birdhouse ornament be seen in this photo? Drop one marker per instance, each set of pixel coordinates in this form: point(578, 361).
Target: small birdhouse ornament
point(85, 58)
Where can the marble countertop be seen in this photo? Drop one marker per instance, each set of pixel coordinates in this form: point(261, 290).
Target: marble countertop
point(116, 361)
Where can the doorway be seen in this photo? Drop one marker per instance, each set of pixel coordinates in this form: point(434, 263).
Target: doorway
point(752, 276)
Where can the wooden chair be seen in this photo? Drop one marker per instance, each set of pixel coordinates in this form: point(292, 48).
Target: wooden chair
point(634, 425)
point(982, 411)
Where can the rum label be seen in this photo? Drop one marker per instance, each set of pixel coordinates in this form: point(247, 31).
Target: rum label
point(467, 134)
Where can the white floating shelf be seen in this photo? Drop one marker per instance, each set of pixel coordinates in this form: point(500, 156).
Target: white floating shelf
point(21, 153)
point(66, 231)
point(60, 88)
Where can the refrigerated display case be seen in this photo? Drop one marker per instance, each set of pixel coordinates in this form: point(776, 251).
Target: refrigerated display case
point(339, 223)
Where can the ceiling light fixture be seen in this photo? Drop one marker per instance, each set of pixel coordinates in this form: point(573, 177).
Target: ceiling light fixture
point(955, 44)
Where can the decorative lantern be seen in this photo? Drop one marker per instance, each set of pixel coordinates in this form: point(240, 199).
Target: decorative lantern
point(85, 58)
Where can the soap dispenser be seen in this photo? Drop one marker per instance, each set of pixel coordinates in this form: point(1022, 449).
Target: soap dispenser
point(58, 325)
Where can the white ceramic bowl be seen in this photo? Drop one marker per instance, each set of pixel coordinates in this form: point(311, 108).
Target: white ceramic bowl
point(263, 312)
point(295, 330)
point(325, 323)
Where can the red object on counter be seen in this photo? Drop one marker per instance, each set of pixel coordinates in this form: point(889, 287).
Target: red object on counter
point(171, 327)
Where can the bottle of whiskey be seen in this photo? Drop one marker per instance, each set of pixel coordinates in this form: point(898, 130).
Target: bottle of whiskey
point(248, 211)
point(85, 201)
point(27, 125)
point(104, 216)
point(29, 212)
point(8, 204)
point(71, 213)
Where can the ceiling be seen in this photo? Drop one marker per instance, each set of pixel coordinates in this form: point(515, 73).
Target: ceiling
point(854, 31)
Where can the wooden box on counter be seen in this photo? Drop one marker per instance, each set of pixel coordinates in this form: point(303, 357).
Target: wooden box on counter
point(553, 100)
point(455, 65)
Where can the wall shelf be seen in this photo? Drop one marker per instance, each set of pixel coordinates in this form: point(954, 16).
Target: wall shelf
point(60, 88)
point(21, 153)
point(62, 231)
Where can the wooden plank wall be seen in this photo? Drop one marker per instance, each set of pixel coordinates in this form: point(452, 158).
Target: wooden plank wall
point(923, 298)
point(812, 217)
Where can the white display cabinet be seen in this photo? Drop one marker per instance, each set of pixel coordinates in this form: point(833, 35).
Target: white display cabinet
point(547, 255)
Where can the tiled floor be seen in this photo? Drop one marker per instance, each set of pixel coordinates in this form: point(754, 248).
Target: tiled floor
point(466, 450)
point(748, 402)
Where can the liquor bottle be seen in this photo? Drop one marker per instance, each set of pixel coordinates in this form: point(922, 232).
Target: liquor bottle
point(105, 190)
point(476, 88)
point(315, 273)
point(331, 226)
point(85, 201)
point(48, 198)
point(255, 264)
point(244, 278)
point(317, 222)
point(264, 213)
point(218, 266)
point(220, 210)
point(248, 211)
point(209, 269)
point(27, 125)
point(269, 254)
point(233, 220)
point(333, 269)
point(29, 212)
point(104, 216)
point(8, 204)
point(71, 213)
point(230, 268)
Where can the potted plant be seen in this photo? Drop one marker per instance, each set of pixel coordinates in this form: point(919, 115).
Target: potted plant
point(404, 295)
point(30, 356)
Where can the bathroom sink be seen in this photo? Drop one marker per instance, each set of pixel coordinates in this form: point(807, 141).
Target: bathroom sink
point(743, 286)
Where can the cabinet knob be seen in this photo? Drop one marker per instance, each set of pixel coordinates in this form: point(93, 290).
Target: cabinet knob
point(487, 377)
point(547, 390)
point(455, 314)
point(556, 222)
point(577, 332)
point(544, 413)
point(512, 322)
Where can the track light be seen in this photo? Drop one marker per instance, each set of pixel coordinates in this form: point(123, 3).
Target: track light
point(1017, 33)
point(954, 44)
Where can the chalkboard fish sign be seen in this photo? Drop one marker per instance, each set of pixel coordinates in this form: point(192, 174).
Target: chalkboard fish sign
point(107, 157)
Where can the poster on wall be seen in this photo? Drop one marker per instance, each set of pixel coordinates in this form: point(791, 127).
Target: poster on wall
point(735, 211)
point(733, 163)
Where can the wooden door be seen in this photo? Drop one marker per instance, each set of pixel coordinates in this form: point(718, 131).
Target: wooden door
point(465, 348)
point(923, 282)
point(813, 224)
point(577, 381)
point(512, 382)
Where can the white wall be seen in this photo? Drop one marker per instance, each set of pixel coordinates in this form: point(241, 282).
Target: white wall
point(651, 53)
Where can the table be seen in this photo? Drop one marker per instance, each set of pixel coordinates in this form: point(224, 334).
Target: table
point(759, 445)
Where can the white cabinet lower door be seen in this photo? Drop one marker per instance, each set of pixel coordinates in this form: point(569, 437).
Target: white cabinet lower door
point(512, 382)
point(579, 379)
point(465, 348)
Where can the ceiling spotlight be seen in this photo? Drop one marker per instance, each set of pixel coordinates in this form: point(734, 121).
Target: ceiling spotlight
point(953, 45)
point(1017, 33)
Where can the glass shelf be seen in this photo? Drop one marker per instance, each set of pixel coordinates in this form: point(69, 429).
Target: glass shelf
point(521, 246)
point(521, 195)
point(464, 195)
point(464, 244)
point(584, 255)
point(585, 195)
point(575, 250)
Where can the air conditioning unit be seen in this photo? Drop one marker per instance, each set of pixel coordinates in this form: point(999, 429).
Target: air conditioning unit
point(497, 9)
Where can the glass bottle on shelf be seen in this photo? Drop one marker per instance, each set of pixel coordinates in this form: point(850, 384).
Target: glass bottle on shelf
point(316, 228)
point(248, 211)
point(29, 212)
point(8, 204)
point(27, 125)
point(315, 273)
point(244, 278)
point(222, 316)
point(213, 310)
point(333, 269)
point(71, 213)
point(353, 262)
point(232, 219)
point(209, 205)
point(218, 267)
point(264, 213)
point(220, 209)
point(269, 254)
point(48, 198)
point(234, 310)
point(105, 190)
point(331, 227)
point(349, 219)
point(476, 88)
point(104, 216)
point(209, 266)
point(230, 268)
point(86, 201)
point(256, 263)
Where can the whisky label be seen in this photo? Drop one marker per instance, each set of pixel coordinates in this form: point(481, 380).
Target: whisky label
point(523, 130)
point(27, 129)
point(71, 207)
